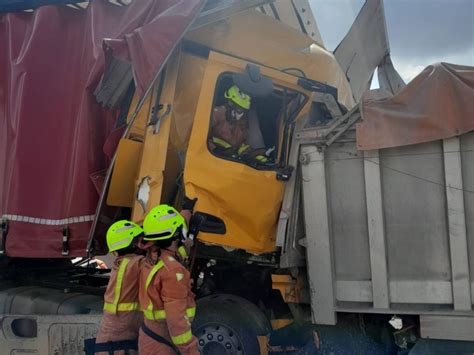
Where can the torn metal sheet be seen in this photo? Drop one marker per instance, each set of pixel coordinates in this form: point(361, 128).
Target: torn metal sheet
point(364, 47)
point(389, 79)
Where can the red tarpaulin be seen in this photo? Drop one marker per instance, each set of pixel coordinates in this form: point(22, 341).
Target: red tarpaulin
point(52, 130)
point(437, 104)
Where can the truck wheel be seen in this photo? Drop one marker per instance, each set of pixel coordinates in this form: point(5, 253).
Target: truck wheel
point(228, 324)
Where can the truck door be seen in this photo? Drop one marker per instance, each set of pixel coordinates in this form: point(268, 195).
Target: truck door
point(243, 190)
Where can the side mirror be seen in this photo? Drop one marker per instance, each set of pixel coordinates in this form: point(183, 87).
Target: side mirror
point(207, 223)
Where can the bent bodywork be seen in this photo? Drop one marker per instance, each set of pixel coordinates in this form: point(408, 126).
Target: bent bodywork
point(247, 198)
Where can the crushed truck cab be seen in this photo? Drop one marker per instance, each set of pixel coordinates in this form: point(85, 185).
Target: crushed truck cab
point(246, 195)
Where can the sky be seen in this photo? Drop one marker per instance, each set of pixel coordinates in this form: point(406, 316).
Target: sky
point(420, 32)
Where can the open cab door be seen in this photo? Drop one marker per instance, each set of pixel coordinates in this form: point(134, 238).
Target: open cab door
point(245, 190)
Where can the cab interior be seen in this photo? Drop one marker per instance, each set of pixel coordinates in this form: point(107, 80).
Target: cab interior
point(268, 120)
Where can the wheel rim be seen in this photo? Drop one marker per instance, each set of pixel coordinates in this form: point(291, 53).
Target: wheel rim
point(219, 339)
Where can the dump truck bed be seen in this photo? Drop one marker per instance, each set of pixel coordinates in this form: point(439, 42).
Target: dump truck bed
point(389, 230)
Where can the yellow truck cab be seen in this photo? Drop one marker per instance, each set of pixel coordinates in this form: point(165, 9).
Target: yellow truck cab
point(246, 195)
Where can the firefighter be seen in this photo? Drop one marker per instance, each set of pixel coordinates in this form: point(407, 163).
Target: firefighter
point(230, 128)
point(229, 122)
point(165, 294)
point(122, 316)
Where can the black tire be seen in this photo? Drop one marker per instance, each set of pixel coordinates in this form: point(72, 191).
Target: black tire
point(228, 324)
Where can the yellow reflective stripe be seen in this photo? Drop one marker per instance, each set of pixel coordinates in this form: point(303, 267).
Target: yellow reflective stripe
point(112, 307)
point(191, 312)
point(109, 307)
point(182, 252)
point(152, 273)
point(243, 148)
point(261, 158)
point(118, 285)
point(122, 307)
point(148, 312)
point(221, 142)
point(161, 314)
point(182, 338)
point(154, 315)
point(132, 306)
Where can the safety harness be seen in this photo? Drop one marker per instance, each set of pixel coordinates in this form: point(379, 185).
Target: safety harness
point(91, 347)
point(159, 338)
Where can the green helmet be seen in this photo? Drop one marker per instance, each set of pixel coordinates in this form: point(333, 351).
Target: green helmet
point(121, 234)
point(162, 222)
point(239, 97)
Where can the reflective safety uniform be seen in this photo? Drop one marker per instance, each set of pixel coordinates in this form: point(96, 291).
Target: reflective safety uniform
point(183, 255)
point(227, 134)
point(168, 306)
point(232, 137)
point(122, 316)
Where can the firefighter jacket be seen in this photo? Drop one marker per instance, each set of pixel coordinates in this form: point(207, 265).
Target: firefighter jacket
point(168, 306)
point(228, 134)
point(122, 316)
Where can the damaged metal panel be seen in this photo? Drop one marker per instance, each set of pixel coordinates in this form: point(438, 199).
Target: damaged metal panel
point(364, 47)
point(389, 79)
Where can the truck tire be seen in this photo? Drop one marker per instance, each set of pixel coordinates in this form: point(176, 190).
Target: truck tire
point(228, 324)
